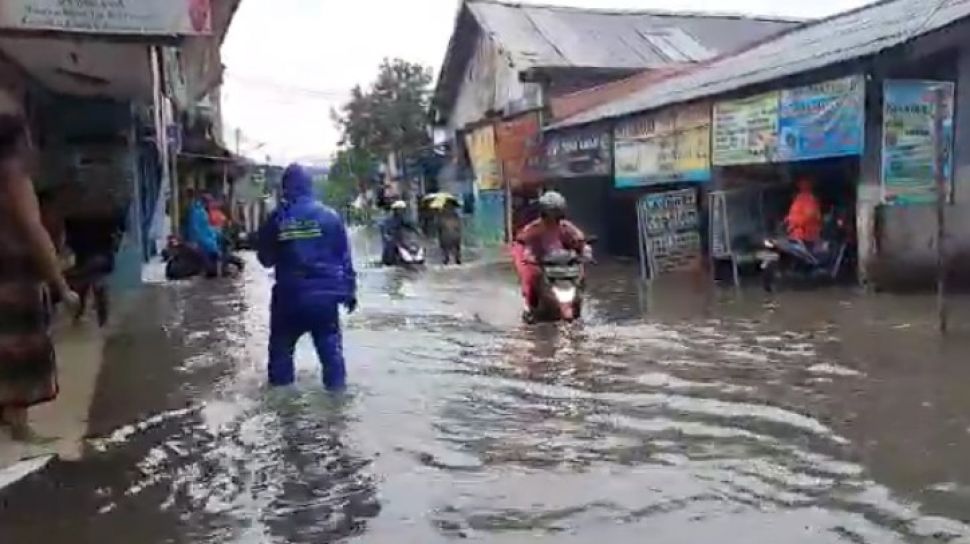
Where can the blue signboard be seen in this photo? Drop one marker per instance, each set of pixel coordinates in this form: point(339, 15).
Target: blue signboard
point(910, 145)
point(822, 120)
point(489, 219)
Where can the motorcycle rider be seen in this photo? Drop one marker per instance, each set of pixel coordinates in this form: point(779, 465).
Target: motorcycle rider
point(393, 229)
point(550, 232)
point(307, 244)
point(804, 220)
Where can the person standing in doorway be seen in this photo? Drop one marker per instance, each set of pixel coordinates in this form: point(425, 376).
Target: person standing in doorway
point(28, 262)
point(306, 242)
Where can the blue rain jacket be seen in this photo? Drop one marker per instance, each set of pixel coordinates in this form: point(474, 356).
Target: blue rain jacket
point(198, 230)
point(307, 244)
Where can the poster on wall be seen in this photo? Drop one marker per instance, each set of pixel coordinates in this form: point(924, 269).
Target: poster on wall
point(128, 17)
point(481, 150)
point(692, 158)
point(668, 146)
point(518, 150)
point(489, 218)
point(746, 130)
point(909, 144)
point(822, 120)
point(579, 153)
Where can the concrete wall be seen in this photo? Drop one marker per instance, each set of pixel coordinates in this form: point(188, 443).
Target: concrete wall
point(897, 245)
point(906, 238)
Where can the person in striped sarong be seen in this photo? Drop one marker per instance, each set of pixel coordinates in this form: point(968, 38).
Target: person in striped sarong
point(28, 264)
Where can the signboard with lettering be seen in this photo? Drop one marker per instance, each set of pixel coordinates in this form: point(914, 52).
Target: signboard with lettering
point(579, 153)
point(122, 17)
point(822, 120)
point(670, 238)
point(910, 146)
point(669, 146)
point(746, 130)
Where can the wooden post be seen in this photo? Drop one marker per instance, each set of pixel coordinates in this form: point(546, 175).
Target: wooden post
point(942, 195)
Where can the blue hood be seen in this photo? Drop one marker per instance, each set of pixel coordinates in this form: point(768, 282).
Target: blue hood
point(297, 183)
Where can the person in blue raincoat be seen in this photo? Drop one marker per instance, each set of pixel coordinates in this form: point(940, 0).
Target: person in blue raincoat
point(200, 233)
point(307, 244)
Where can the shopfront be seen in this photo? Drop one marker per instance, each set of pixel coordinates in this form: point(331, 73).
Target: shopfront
point(764, 146)
point(662, 168)
point(579, 164)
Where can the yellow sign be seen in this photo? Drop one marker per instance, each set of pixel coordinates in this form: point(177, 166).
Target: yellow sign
point(746, 130)
point(481, 150)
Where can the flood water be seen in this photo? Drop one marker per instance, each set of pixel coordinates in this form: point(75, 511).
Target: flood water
point(678, 415)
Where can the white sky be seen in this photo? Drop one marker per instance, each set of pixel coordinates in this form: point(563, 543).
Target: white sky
point(290, 61)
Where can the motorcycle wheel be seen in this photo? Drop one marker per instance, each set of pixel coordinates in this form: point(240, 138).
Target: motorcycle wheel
point(769, 277)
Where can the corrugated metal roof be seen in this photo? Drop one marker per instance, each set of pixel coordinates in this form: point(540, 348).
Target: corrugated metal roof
point(843, 37)
point(552, 36)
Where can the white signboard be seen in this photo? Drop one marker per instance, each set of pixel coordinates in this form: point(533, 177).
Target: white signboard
point(124, 17)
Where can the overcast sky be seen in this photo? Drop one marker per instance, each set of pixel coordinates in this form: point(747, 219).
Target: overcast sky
point(290, 61)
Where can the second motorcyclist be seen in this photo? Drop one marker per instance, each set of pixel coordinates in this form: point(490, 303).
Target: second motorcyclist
point(393, 229)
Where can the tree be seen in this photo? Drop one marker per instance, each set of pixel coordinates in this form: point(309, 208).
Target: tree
point(349, 173)
point(390, 117)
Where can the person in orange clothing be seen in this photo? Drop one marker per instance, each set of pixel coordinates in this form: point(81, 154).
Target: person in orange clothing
point(217, 217)
point(804, 219)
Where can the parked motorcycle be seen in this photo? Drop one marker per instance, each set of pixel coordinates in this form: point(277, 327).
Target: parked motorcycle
point(784, 259)
point(560, 290)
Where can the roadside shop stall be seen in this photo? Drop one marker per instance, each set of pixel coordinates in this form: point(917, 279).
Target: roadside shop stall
point(763, 146)
point(662, 165)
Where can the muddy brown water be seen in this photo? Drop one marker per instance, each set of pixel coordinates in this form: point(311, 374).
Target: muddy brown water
point(677, 414)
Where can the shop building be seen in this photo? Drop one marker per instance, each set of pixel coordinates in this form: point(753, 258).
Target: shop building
point(904, 58)
point(506, 62)
point(100, 101)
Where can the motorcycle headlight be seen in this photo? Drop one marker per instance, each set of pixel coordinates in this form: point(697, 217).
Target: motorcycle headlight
point(769, 244)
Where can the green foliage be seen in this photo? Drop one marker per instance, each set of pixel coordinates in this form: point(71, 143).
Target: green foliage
point(392, 115)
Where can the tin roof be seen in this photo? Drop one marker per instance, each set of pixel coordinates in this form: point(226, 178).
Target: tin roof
point(542, 36)
point(846, 36)
point(554, 36)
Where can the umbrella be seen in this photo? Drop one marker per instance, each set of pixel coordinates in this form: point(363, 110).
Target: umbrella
point(437, 201)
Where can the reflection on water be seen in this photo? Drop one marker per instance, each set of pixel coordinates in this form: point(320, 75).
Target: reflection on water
point(810, 418)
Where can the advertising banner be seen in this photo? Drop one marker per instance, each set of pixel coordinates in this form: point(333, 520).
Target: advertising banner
point(481, 150)
point(518, 149)
point(746, 130)
point(909, 141)
point(693, 142)
point(126, 17)
point(580, 153)
point(664, 147)
point(822, 120)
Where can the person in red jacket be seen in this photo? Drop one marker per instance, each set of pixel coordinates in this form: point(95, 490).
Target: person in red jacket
point(550, 232)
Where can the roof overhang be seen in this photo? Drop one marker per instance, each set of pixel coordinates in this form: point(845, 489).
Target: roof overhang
point(119, 70)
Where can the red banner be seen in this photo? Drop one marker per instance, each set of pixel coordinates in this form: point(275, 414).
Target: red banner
point(519, 151)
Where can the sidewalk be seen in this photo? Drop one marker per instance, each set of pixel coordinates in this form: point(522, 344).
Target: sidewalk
point(64, 421)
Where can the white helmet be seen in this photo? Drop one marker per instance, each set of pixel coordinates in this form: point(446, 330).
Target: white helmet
point(399, 205)
point(552, 203)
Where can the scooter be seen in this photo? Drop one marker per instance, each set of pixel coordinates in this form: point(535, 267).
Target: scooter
point(560, 290)
point(406, 251)
point(785, 259)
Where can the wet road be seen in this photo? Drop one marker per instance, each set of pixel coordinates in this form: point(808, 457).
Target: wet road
point(679, 415)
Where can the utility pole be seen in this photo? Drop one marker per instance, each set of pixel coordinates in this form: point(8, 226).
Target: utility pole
point(942, 196)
